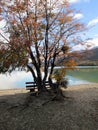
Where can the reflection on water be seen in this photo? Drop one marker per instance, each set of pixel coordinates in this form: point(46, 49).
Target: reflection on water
point(17, 79)
point(74, 81)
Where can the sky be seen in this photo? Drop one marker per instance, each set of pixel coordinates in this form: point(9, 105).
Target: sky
point(88, 14)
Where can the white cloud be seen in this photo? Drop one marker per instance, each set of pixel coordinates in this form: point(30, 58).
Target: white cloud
point(2, 24)
point(73, 1)
point(2, 32)
point(93, 42)
point(78, 47)
point(78, 16)
point(77, 1)
point(93, 22)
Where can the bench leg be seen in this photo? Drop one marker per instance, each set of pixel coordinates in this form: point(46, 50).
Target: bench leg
point(32, 90)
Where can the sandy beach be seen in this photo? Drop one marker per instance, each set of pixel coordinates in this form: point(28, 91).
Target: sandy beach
point(19, 110)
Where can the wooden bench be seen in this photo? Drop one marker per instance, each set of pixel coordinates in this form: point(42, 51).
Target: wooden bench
point(32, 86)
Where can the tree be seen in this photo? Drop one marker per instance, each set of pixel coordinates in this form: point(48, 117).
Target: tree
point(39, 32)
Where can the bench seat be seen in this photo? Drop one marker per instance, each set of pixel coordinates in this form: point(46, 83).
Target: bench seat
point(33, 87)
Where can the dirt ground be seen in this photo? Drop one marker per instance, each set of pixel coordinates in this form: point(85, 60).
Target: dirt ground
point(19, 110)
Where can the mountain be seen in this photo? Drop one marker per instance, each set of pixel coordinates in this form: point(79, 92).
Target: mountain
point(89, 57)
point(86, 58)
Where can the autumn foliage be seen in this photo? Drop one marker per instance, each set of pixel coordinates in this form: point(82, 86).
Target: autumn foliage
point(37, 34)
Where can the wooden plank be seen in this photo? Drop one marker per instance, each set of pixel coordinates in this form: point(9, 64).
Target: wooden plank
point(30, 82)
point(32, 86)
point(34, 82)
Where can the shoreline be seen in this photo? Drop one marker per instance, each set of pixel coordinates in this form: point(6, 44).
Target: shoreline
point(13, 91)
point(84, 84)
point(73, 85)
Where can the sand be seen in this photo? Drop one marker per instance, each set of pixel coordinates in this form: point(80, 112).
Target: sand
point(19, 110)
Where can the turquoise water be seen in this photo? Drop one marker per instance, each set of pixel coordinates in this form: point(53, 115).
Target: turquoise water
point(74, 81)
point(88, 74)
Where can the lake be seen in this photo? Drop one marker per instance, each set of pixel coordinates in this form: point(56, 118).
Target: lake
point(78, 76)
point(88, 74)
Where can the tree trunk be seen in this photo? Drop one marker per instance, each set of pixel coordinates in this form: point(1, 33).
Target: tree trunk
point(37, 79)
point(55, 87)
point(40, 85)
